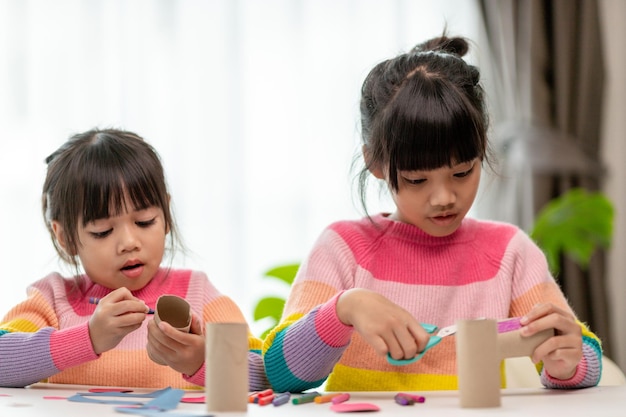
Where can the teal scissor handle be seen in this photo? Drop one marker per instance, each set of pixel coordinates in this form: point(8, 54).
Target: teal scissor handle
point(430, 328)
point(434, 339)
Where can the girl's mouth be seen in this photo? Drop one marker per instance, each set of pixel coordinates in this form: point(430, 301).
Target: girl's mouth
point(132, 271)
point(443, 220)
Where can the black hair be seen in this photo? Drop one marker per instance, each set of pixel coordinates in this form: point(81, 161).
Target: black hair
point(89, 178)
point(422, 110)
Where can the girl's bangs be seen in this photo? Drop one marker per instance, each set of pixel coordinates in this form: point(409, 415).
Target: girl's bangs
point(108, 186)
point(432, 131)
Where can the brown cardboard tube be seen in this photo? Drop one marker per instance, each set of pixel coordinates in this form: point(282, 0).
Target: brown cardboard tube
point(478, 363)
point(226, 367)
point(513, 344)
point(173, 310)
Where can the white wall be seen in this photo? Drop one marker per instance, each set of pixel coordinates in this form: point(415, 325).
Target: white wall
point(613, 14)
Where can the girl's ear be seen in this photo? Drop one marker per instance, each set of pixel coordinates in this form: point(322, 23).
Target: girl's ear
point(59, 235)
point(375, 169)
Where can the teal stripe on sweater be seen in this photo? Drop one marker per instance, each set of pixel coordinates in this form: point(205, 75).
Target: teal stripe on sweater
point(281, 379)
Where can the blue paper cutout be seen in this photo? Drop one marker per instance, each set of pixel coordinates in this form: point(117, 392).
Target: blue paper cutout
point(162, 400)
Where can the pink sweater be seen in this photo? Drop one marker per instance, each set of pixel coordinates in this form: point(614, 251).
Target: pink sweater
point(46, 337)
point(484, 269)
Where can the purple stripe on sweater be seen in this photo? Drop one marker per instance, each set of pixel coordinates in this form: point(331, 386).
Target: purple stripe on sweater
point(257, 378)
point(311, 368)
point(25, 358)
point(591, 375)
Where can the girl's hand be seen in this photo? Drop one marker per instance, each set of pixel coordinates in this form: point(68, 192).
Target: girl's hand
point(116, 315)
point(183, 352)
point(387, 327)
point(562, 353)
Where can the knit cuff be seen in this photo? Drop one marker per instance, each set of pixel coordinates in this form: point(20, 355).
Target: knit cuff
point(328, 326)
point(197, 378)
point(72, 346)
point(573, 382)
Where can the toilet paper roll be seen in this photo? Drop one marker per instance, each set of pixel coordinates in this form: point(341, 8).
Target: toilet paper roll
point(226, 367)
point(478, 363)
point(174, 310)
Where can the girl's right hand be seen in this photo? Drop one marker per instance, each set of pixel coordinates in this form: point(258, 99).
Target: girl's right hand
point(116, 315)
point(387, 327)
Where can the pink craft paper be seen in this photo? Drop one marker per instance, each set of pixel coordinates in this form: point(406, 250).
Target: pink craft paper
point(354, 407)
point(110, 390)
point(509, 325)
point(196, 400)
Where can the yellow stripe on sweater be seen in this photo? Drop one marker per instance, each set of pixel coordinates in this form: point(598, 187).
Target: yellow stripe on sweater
point(19, 325)
point(345, 378)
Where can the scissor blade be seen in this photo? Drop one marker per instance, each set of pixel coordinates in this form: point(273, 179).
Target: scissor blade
point(447, 331)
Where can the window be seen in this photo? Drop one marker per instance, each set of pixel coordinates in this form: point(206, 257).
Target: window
point(252, 105)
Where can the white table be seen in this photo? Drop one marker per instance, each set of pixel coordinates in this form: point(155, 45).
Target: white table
point(607, 401)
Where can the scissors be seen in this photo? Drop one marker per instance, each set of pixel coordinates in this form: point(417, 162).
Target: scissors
point(434, 339)
point(505, 325)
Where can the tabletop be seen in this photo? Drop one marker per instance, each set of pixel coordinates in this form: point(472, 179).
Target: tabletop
point(52, 400)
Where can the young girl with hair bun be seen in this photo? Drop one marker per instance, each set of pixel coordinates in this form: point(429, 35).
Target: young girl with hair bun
point(359, 301)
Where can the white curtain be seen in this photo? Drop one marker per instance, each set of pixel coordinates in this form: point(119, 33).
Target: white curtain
point(253, 106)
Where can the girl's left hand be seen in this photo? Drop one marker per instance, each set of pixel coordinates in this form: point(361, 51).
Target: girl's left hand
point(183, 352)
point(562, 353)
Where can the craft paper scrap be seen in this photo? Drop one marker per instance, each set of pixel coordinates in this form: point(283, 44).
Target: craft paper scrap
point(88, 397)
point(168, 400)
point(196, 400)
point(110, 390)
point(354, 407)
point(156, 413)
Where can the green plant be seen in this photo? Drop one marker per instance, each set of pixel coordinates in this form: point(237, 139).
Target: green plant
point(272, 306)
point(574, 224)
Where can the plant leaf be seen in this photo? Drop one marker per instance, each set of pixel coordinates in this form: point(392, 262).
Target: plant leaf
point(269, 307)
point(575, 224)
point(286, 273)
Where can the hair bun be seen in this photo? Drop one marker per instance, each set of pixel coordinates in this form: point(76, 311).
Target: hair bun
point(456, 45)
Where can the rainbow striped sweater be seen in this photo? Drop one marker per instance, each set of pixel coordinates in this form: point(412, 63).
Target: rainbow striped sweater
point(46, 337)
point(484, 269)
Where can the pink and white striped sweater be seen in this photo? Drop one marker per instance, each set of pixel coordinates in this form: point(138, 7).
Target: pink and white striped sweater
point(46, 337)
point(484, 269)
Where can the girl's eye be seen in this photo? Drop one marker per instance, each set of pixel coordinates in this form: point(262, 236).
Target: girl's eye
point(464, 173)
point(146, 223)
point(101, 235)
point(415, 182)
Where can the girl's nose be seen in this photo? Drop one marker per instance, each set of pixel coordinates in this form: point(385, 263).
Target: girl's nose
point(442, 197)
point(128, 240)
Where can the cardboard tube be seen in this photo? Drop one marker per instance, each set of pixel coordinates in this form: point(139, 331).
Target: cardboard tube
point(226, 367)
point(513, 345)
point(478, 363)
point(173, 310)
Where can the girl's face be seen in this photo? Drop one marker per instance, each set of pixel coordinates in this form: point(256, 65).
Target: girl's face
point(124, 250)
point(436, 201)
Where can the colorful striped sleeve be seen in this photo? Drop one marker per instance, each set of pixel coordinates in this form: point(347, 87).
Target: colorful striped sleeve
point(318, 336)
point(588, 371)
point(31, 347)
point(535, 284)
